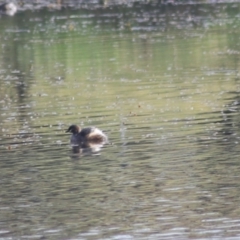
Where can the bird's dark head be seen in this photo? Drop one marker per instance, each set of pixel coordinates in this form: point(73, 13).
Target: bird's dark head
point(74, 129)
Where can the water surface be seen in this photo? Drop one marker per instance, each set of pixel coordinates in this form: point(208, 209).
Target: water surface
point(162, 83)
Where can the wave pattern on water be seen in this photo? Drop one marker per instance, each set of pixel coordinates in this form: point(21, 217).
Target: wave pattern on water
point(166, 95)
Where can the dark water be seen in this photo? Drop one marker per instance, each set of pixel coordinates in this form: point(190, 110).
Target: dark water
point(163, 83)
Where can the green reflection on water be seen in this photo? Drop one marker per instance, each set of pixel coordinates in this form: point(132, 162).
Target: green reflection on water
point(160, 93)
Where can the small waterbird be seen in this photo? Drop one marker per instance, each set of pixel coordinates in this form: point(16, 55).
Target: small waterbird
point(86, 135)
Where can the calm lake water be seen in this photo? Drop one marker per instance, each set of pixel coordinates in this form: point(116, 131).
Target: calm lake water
point(162, 82)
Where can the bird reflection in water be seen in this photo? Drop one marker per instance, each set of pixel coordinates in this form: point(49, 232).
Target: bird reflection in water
point(87, 149)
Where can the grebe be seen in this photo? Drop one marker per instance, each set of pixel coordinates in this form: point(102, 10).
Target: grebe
point(86, 135)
